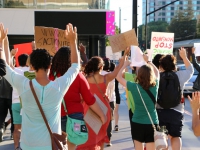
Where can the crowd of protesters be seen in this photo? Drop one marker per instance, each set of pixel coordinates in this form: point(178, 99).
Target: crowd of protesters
point(68, 88)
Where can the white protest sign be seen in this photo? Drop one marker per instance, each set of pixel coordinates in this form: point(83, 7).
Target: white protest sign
point(162, 43)
point(111, 55)
point(136, 57)
point(150, 54)
point(197, 49)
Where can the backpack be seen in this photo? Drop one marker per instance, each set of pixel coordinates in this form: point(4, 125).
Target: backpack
point(169, 92)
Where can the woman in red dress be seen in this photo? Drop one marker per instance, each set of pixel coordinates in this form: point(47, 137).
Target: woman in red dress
point(98, 84)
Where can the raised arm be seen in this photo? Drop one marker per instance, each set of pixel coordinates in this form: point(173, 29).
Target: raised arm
point(11, 76)
point(194, 61)
point(7, 50)
point(83, 54)
point(3, 34)
point(120, 78)
point(195, 105)
point(112, 75)
point(182, 53)
point(155, 69)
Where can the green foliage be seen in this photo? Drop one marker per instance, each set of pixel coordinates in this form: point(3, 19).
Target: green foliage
point(14, 4)
point(157, 26)
point(183, 25)
point(116, 32)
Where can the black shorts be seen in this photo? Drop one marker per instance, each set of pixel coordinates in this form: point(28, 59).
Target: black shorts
point(173, 120)
point(117, 94)
point(143, 133)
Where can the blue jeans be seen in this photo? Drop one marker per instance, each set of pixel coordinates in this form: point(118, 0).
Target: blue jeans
point(78, 116)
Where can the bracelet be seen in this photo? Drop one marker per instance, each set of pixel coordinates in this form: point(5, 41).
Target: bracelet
point(1, 49)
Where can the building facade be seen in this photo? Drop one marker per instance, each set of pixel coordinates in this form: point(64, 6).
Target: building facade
point(19, 17)
point(167, 13)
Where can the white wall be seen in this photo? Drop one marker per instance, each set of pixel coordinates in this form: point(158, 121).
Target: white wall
point(18, 21)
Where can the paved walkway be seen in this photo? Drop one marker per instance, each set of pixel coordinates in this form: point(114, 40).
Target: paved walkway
point(121, 140)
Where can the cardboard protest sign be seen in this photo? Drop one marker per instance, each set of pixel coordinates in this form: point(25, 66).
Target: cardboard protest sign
point(162, 43)
point(197, 49)
point(92, 119)
point(121, 41)
point(50, 39)
point(111, 55)
point(136, 57)
point(25, 48)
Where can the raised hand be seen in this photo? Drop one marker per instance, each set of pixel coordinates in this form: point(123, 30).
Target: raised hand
point(13, 52)
point(81, 48)
point(145, 57)
point(3, 32)
point(195, 101)
point(127, 51)
point(193, 50)
point(71, 33)
point(182, 53)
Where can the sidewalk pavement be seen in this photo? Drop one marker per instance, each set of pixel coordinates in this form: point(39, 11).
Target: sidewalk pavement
point(122, 140)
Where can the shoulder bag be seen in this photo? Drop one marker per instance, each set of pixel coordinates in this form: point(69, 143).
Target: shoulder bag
point(160, 138)
point(55, 138)
point(76, 129)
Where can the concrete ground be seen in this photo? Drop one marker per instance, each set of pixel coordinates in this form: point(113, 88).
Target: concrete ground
point(121, 140)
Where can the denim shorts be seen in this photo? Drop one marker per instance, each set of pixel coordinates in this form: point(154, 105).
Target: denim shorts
point(78, 116)
point(173, 120)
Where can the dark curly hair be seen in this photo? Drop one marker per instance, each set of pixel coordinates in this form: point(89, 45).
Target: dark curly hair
point(168, 62)
point(93, 65)
point(106, 66)
point(156, 60)
point(22, 59)
point(40, 59)
point(145, 77)
point(61, 61)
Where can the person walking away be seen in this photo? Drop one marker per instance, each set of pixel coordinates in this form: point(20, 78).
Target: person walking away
point(147, 79)
point(170, 108)
point(34, 133)
point(72, 101)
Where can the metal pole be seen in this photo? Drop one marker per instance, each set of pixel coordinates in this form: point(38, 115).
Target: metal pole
point(146, 28)
point(119, 20)
point(134, 20)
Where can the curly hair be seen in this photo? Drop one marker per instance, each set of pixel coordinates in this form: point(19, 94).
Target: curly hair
point(156, 60)
point(93, 65)
point(145, 77)
point(168, 62)
point(61, 61)
point(40, 59)
point(22, 59)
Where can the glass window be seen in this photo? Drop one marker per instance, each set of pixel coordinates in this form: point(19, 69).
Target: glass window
point(172, 8)
point(198, 8)
point(172, 13)
point(163, 19)
point(56, 4)
point(198, 2)
point(151, 3)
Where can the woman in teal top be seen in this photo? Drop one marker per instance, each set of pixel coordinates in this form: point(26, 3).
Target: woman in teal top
point(147, 79)
point(34, 135)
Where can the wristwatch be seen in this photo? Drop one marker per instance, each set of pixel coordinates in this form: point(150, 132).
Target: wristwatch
point(148, 62)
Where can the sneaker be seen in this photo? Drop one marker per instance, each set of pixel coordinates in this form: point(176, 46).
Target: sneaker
point(1, 135)
point(116, 128)
point(18, 148)
point(109, 144)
